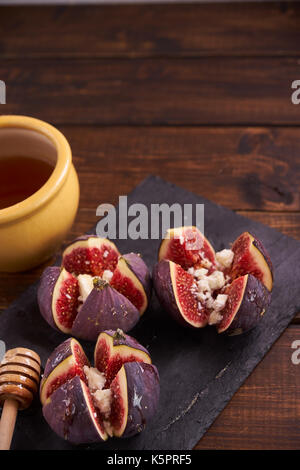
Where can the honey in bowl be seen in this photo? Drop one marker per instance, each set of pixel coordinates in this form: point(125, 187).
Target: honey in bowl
point(20, 177)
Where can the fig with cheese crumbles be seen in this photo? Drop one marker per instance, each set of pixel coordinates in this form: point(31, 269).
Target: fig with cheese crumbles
point(95, 289)
point(117, 397)
point(230, 289)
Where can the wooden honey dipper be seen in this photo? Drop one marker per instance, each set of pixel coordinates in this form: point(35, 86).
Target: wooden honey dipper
point(19, 381)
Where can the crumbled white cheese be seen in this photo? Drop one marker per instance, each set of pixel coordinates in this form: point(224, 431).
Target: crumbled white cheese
point(203, 285)
point(201, 273)
point(215, 317)
point(216, 280)
point(210, 302)
point(108, 428)
point(205, 263)
point(105, 254)
point(96, 380)
point(102, 400)
point(200, 296)
point(225, 258)
point(220, 302)
point(181, 239)
point(191, 271)
point(107, 275)
point(217, 305)
point(86, 285)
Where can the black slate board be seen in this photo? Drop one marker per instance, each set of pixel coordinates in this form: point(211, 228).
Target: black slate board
point(200, 370)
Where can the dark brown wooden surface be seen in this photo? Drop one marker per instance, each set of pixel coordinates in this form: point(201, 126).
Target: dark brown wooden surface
point(198, 94)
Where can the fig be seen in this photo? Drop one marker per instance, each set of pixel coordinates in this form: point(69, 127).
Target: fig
point(95, 289)
point(230, 289)
point(117, 397)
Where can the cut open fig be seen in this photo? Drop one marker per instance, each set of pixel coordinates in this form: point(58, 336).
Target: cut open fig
point(95, 289)
point(230, 289)
point(117, 397)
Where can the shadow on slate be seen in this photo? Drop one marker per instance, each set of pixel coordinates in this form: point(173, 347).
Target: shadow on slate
point(200, 370)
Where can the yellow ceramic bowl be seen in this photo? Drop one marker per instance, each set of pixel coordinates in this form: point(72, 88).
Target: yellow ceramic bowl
point(32, 230)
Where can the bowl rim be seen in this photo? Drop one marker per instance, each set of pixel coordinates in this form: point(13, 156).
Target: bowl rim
point(58, 176)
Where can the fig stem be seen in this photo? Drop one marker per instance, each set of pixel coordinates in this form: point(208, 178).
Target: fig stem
point(99, 283)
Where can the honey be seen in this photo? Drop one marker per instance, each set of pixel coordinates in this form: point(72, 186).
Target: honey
point(20, 177)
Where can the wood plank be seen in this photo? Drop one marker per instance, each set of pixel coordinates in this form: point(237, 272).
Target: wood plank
point(241, 168)
point(204, 91)
point(285, 222)
point(265, 412)
point(150, 30)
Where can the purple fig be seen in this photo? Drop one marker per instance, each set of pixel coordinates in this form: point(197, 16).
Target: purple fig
point(118, 397)
point(77, 301)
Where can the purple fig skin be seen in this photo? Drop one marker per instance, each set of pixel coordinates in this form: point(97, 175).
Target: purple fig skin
point(143, 396)
point(67, 413)
point(164, 290)
point(140, 269)
point(103, 309)
point(45, 293)
point(256, 300)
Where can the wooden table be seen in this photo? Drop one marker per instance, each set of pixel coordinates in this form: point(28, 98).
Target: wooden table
point(198, 94)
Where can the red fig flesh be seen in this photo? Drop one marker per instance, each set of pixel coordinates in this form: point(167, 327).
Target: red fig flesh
point(187, 247)
point(90, 255)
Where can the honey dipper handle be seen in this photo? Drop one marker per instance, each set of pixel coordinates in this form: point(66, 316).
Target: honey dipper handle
point(7, 423)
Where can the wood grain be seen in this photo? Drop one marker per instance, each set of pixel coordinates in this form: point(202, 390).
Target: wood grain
point(150, 30)
point(179, 91)
point(265, 412)
point(241, 168)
